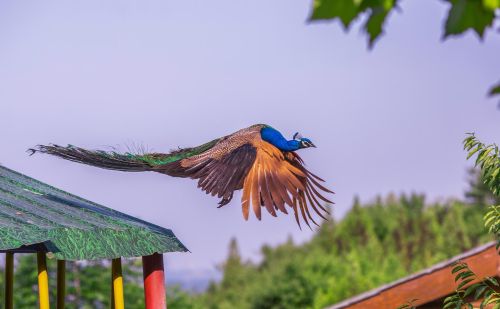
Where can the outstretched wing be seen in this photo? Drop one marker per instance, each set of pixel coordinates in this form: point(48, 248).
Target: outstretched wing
point(222, 176)
point(277, 179)
point(220, 170)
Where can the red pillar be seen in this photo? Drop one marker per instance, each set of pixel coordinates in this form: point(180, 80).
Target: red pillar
point(154, 281)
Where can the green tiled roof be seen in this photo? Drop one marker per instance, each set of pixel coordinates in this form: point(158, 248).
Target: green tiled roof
point(70, 227)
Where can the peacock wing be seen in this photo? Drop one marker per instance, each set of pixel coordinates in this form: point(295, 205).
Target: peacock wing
point(221, 169)
point(277, 179)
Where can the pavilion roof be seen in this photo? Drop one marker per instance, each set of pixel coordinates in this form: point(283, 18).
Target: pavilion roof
point(35, 216)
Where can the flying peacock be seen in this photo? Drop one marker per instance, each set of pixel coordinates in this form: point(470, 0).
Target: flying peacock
point(257, 159)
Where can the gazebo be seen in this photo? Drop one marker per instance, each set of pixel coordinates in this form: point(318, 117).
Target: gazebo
point(40, 219)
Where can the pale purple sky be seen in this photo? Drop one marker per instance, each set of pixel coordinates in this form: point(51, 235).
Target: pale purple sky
point(179, 73)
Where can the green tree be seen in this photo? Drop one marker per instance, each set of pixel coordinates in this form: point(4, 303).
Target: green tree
point(373, 244)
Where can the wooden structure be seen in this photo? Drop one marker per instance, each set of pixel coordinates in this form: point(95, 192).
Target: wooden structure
point(429, 286)
point(43, 220)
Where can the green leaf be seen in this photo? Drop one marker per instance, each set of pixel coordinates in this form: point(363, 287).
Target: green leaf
point(471, 289)
point(345, 10)
point(485, 300)
point(495, 90)
point(463, 275)
point(492, 299)
point(493, 281)
point(449, 305)
point(491, 4)
point(348, 10)
point(451, 298)
point(463, 283)
point(472, 152)
point(468, 14)
point(374, 24)
point(489, 221)
point(482, 155)
point(480, 291)
point(458, 268)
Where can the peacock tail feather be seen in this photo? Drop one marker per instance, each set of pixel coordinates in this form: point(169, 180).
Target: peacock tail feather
point(128, 162)
point(160, 158)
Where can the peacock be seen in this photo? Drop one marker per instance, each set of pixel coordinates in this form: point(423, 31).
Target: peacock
point(257, 159)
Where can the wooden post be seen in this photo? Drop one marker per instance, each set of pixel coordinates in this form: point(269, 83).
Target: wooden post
point(154, 281)
point(61, 283)
point(43, 281)
point(9, 280)
point(117, 287)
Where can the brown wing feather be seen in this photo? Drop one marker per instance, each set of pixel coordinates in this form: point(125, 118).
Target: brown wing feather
point(277, 178)
point(223, 176)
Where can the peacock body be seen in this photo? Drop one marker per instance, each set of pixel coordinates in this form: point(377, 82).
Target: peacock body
point(257, 159)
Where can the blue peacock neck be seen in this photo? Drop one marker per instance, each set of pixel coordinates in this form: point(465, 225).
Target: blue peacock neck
point(275, 138)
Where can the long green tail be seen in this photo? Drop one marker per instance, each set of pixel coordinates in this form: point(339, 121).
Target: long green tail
point(128, 162)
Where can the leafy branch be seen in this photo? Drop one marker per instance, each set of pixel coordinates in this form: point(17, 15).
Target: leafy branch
point(488, 159)
point(492, 222)
point(484, 288)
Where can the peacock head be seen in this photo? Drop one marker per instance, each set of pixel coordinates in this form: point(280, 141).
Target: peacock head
point(304, 142)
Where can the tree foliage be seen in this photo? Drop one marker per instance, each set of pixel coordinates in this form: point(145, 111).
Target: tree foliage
point(477, 16)
point(488, 160)
point(463, 15)
point(375, 243)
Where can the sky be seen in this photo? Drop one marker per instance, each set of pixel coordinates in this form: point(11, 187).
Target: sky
point(163, 74)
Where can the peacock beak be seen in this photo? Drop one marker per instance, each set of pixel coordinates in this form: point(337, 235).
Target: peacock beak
point(312, 145)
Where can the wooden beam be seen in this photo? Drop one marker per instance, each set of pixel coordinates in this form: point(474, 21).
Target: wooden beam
point(154, 281)
point(9, 280)
point(43, 281)
point(117, 287)
point(61, 284)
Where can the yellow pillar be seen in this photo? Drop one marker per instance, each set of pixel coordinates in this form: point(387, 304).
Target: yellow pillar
point(112, 305)
point(9, 280)
point(117, 287)
point(43, 281)
point(61, 283)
